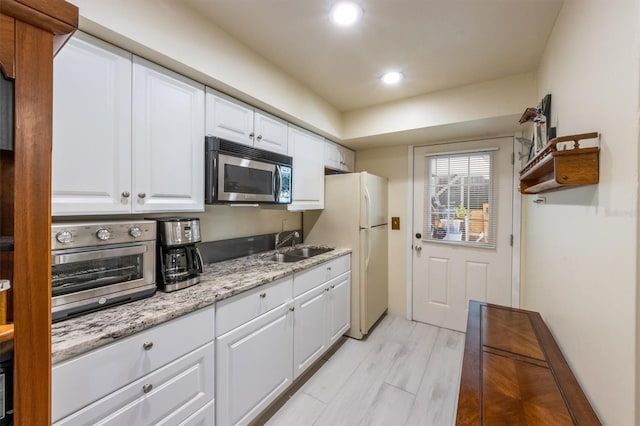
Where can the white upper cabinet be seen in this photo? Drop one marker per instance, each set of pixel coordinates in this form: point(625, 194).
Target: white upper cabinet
point(109, 158)
point(307, 150)
point(91, 128)
point(271, 133)
point(168, 140)
point(337, 157)
point(230, 119)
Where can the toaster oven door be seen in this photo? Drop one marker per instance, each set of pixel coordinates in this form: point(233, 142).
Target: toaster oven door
point(81, 275)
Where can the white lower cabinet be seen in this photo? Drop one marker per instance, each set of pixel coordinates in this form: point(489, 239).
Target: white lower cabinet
point(156, 376)
point(254, 366)
point(322, 315)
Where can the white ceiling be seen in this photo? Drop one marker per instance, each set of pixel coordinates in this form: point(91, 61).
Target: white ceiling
point(437, 44)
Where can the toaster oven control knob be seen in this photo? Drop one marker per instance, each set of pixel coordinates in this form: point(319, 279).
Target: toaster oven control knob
point(135, 232)
point(63, 237)
point(103, 234)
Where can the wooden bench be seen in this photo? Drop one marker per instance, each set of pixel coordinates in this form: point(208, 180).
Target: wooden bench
point(514, 373)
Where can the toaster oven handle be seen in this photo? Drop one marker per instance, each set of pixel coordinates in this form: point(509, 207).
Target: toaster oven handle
point(63, 258)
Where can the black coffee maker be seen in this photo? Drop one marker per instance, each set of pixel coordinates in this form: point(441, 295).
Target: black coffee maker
point(178, 262)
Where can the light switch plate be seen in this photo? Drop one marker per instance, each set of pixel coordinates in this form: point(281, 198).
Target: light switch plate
point(395, 223)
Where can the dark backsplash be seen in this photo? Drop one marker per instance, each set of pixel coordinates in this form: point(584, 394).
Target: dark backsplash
point(217, 251)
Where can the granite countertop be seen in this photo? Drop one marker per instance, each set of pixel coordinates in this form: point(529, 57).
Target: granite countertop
point(218, 281)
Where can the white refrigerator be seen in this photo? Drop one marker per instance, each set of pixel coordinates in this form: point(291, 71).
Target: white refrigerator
point(355, 216)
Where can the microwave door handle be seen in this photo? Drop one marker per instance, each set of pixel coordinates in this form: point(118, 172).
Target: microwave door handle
point(277, 184)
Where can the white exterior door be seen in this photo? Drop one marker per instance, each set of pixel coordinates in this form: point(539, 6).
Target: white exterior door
point(168, 140)
point(463, 195)
point(91, 128)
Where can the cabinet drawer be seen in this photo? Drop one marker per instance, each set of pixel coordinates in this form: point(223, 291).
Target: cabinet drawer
point(242, 308)
point(80, 381)
point(168, 395)
point(306, 280)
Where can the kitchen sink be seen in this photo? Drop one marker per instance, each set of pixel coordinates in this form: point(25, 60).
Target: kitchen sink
point(297, 254)
point(284, 258)
point(309, 251)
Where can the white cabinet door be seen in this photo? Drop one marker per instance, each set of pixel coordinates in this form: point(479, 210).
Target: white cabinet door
point(348, 160)
point(168, 140)
point(332, 156)
point(339, 304)
point(169, 395)
point(91, 128)
point(310, 329)
point(271, 133)
point(338, 157)
point(228, 118)
point(254, 364)
point(307, 151)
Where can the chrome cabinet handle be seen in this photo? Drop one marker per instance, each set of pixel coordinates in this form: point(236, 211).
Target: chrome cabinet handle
point(147, 388)
point(147, 345)
point(125, 194)
point(142, 195)
point(263, 295)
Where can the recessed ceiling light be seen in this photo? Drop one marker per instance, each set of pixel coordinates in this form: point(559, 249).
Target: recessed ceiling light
point(392, 77)
point(345, 13)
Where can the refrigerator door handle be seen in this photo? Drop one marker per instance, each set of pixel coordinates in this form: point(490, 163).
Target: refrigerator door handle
point(367, 199)
point(368, 252)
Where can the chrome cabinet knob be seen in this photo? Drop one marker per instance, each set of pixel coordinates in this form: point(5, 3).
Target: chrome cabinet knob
point(259, 137)
point(142, 195)
point(251, 135)
point(326, 289)
point(147, 345)
point(293, 308)
point(103, 234)
point(147, 388)
point(135, 232)
point(125, 194)
point(263, 295)
point(64, 237)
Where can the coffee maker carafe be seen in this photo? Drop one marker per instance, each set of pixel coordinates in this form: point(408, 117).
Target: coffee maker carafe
point(179, 262)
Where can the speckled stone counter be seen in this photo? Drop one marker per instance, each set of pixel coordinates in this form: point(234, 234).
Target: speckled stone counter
point(218, 281)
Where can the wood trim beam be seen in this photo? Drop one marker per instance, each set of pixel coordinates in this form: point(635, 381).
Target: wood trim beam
point(54, 16)
point(7, 46)
point(32, 247)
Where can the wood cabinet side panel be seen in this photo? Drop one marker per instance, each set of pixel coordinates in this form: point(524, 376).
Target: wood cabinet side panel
point(32, 255)
point(7, 46)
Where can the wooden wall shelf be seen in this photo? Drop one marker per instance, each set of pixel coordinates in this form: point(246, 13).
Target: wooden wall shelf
point(552, 170)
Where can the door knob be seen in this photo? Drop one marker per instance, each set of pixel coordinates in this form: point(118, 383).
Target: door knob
point(418, 248)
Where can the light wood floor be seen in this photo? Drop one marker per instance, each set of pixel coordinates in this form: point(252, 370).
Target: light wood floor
point(405, 372)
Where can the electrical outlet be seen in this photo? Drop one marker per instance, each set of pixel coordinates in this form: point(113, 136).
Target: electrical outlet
point(395, 223)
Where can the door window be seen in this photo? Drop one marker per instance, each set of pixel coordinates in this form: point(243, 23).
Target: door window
point(459, 199)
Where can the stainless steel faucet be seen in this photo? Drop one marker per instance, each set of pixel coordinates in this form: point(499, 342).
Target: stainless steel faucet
point(292, 236)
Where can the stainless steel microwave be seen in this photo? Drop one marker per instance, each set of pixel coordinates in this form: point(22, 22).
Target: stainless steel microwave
point(236, 173)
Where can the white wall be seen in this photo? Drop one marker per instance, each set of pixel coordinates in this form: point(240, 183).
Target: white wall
point(580, 248)
point(391, 162)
